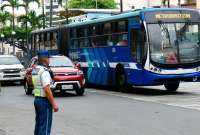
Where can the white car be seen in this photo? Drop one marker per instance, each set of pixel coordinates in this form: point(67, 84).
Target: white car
point(11, 69)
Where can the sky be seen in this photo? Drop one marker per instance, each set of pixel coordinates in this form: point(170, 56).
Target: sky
point(20, 10)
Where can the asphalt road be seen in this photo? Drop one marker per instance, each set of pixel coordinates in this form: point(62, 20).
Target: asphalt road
point(142, 111)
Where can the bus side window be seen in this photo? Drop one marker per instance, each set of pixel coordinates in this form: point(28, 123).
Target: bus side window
point(137, 45)
point(143, 45)
point(134, 44)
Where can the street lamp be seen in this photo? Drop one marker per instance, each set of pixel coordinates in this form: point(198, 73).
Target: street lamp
point(13, 34)
point(2, 37)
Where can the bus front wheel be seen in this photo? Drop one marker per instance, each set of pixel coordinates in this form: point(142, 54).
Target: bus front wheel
point(172, 87)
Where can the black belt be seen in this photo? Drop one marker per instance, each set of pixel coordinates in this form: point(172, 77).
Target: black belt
point(41, 97)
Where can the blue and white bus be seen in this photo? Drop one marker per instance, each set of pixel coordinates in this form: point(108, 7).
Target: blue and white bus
point(155, 46)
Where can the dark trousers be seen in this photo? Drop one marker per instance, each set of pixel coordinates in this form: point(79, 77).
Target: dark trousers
point(43, 119)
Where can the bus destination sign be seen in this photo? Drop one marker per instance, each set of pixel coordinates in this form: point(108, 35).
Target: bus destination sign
point(172, 16)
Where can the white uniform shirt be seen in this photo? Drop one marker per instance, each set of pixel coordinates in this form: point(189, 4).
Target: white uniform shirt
point(43, 79)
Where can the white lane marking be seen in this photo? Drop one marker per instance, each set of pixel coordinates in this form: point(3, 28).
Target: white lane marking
point(190, 104)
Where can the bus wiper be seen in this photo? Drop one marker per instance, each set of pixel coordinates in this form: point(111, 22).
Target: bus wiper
point(178, 49)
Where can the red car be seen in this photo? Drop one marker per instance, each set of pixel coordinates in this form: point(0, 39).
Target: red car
point(66, 76)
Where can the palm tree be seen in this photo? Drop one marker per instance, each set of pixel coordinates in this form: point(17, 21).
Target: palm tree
point(26, 9)
point(35, 23)
point(164, 3)
point(4, 17)
point(34, 20)
point(13, 4)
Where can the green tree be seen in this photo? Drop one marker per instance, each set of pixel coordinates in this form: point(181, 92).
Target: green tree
point(7, 30)
point(23, 33)
point(4, 17)
point(13, 4)
point(166, 3)
point(89, 4)
point(34, 20)
point(27, 2)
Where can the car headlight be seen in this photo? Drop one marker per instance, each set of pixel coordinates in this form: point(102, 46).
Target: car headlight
point(80, 72)
point(23, 70)
point(1, 70)
point(198, 69)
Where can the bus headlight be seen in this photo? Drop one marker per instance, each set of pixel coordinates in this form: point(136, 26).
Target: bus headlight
point(198, 69)
point(155, 69)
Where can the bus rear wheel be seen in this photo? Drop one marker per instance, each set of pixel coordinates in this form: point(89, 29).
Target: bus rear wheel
point(172, 87)
point(121, 81)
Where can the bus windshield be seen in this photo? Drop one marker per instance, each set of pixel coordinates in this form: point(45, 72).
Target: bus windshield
point(174, 43)
point(60, 62)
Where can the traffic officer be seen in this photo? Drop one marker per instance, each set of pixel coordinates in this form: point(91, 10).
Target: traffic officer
point(44, 101)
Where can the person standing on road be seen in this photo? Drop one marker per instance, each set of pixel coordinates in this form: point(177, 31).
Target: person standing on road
point(44, 101)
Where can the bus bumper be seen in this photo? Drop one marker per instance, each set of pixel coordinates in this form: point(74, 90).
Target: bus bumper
point(150, 78)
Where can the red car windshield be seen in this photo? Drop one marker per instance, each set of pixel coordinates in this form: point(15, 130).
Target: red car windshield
point(60, 62)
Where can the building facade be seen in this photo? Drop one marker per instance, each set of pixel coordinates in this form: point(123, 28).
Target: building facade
point(139, 4)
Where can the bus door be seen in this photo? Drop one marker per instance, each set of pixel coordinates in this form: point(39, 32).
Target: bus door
point(137, 44)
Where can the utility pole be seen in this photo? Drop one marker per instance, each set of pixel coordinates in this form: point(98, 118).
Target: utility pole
point(121, 6)
point(67, 12)
point(148, 3)
point(179, 3)
point(168, 3)
point(43, 14)
point(51, 13)
point(27, 42)
point(96, 4)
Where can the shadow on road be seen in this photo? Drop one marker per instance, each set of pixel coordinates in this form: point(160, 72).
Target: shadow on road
point(10, 84)
point(155, 92)
point(64, 94)
point(144, 91)
point(2, 132)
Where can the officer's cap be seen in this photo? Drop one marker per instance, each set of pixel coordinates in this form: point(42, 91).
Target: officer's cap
point(43, 53)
